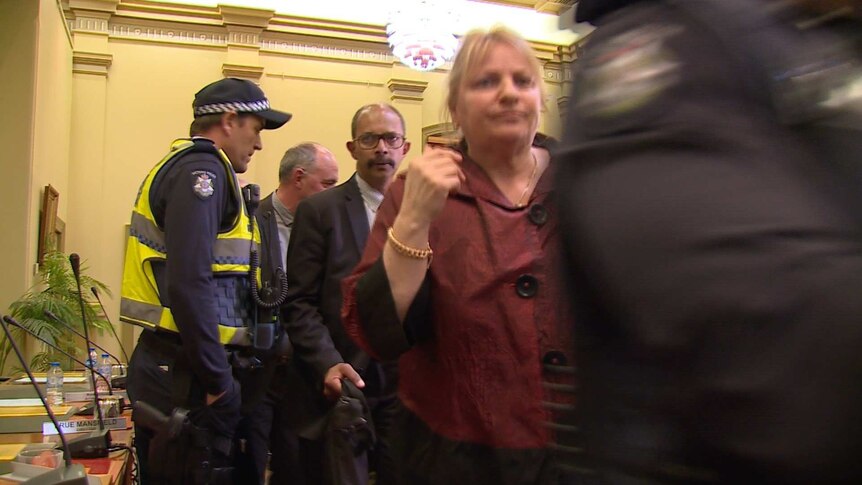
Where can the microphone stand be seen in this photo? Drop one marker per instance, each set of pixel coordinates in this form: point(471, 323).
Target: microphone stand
point(57, 319)
point(71, 473)
point(12, 321)
point(95, 292)
point(75, 261)
point(96, 445)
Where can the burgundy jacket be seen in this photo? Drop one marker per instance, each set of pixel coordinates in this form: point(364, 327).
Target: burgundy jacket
point(486, 343)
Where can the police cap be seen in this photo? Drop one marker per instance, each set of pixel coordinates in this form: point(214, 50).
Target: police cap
point(238, 95)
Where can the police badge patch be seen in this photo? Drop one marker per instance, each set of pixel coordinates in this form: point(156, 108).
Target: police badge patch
point(202, 183)
point(628, 71)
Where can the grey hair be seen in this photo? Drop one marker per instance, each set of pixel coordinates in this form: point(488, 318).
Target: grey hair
point(301, 156)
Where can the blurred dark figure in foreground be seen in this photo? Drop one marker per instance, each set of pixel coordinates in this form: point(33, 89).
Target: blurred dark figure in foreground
point(712, 216)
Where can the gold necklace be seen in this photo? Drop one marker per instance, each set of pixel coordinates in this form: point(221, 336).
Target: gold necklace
point(520, 202)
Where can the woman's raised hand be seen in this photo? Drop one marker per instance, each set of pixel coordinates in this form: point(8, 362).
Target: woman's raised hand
point(430, 180)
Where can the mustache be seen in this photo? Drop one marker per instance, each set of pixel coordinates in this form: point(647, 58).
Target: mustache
point(379, 160)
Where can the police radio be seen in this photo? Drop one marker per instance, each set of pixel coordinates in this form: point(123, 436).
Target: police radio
point(263, 333)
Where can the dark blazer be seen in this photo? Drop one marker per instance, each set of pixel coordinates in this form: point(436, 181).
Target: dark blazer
point(256, 381)
point(270, 248)
point(329, 233)
point(269, 260)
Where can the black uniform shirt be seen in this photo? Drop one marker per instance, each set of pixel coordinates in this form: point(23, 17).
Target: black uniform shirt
point(716, 272)
point(191, 219)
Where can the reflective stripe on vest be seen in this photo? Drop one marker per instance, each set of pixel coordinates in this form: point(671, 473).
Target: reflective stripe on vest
point(140, 303)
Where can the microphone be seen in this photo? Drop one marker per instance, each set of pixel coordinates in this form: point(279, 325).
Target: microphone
point(99, 441)
point(71, 473)
point(95, 292)
point(57, 319)
point(75, 261)
point(12, 321)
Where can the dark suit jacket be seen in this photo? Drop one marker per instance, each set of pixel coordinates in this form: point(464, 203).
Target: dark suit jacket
point(329, 233)
point(270, 248)
point(256, 381)
point(270, 261)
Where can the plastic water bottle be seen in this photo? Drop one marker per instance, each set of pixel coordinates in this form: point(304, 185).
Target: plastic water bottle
point(54, 385)
point(105, 368)
point(92, 363)
point(88, 373)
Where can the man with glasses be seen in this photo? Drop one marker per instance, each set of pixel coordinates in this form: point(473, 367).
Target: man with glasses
point(328, 238)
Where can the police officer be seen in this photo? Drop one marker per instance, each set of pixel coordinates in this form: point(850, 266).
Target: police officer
point(187, 279)
point(713, 236)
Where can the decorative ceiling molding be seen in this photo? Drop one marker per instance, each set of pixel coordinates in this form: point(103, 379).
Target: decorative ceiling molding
point(406, 89)
point(109, 6)
point(547, 6)
point(556, 7)
point(512, 3)
point(246, 17)
point(252, 73)
point(226, 27)
point(91, 63)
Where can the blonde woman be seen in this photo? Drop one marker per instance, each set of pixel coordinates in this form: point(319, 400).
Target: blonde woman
point(457, 280)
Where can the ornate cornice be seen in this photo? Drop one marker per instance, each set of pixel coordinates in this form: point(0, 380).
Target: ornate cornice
point(548, 6)
point(352, 82)
point(246, 17)
point(104, 6)
point(554, 6)
point(563, 104)
point(91, 63)
point(406, 89)
point(245, 30)
point(252, 73)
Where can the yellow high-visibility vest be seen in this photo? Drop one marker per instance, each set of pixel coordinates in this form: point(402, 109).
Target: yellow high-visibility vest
point(140, 303)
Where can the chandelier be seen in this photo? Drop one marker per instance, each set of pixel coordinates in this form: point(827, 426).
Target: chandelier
point(418, 32)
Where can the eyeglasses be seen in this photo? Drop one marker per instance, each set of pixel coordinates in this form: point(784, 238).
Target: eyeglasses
point(370, 140)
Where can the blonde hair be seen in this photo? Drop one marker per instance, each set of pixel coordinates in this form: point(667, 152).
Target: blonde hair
point(475, 47)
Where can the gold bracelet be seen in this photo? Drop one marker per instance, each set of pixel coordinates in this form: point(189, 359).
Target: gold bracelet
point(405, 250)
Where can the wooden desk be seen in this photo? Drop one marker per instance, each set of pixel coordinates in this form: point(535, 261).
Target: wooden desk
point(119, 466)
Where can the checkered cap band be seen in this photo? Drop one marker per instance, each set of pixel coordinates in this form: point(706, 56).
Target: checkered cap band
point(239, 107)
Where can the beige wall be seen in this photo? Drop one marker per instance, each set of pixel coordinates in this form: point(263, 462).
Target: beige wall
point(95, 119)
point(52, 110)
point(18, 33)
point(36, 73)
point(36, 55)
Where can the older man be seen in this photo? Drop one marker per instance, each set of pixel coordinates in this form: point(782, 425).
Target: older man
point(305, 169)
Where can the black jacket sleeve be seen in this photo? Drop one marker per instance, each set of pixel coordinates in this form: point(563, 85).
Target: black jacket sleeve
point(191, 223)
point(306, 260)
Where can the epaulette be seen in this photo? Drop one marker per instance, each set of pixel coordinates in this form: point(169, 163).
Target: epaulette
point(204, 145)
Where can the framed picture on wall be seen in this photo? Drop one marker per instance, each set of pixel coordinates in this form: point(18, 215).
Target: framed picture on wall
point(48, 222)
point(59, 235)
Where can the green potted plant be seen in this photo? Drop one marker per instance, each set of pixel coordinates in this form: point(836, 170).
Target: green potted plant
point(57, 292)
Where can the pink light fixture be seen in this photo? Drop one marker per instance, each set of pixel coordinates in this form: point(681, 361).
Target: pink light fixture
point(419, 33)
